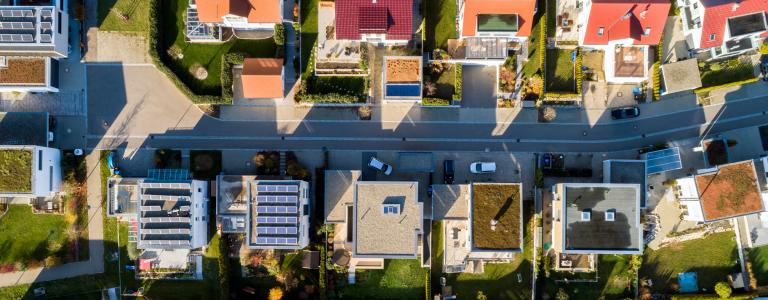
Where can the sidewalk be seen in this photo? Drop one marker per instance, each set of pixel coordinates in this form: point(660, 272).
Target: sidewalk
point(95, 262)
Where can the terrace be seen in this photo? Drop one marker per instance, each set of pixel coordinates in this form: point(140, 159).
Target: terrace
point(729, 192)
point(496, 217)
point(334, 55)
point(566, 30)
point(629, 61)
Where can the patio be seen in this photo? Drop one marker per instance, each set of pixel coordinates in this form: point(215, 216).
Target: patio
point(629, 61)
point(332, 54)
point(566, 30)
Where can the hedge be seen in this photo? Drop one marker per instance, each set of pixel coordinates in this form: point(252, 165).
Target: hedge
point(279, 35)
point(428, 101)
point(712, 297)
point(153, 39)
point(323, 262)
point(457, 82)
point(560, 95)
point(227, 62)
point(578, 70)
point(543, 46)
point(656, 81)
point(427, 288)
point(735, 83)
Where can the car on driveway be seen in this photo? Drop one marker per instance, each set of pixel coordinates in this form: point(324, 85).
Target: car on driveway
point(482, 167)
point(379, 165)
point(625, 112)
point(448, 171)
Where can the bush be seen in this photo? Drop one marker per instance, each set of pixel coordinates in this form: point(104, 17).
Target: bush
point(764, 48)
point(429, 101)
point(579, 75)
point(457, 82)
point(723, 289)
point(279, 35)
point(656, 81)
point(227, 62)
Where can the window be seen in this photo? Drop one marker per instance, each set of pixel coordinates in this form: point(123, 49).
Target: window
point(199, 190)
point(390, 209)
point(586, 215)
point(647, 31)
point(58, 21)
point(610, 215)
point(39, 160)
point(712, 37)
point(306, 209)
point(695, 5)
point(600, 31)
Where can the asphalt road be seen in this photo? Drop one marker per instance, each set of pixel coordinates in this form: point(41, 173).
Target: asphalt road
point(153, 115)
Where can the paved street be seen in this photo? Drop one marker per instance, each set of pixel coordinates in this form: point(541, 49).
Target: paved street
point(136, 106)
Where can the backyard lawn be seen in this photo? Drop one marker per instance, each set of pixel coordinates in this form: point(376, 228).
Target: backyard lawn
point(722, 72)
point(560, 71)
point(124, 15)
point(43, 234)
point(440, 23)
point(759, 258)
point(444, 79)
point(400, 279)
point(207, 56)
point(499, 281)
point(532, 65)
point(308, 34)
point(663, 265)
point(613, 273)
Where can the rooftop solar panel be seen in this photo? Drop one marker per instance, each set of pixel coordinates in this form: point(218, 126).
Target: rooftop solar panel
point(663, 160)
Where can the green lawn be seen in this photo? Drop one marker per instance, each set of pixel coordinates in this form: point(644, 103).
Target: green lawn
point(499, 281)
point(16, 170)
point(759, 258)
point(722, 72)
point(345, 85)
point(560, 72)
point(712, 257)
point(440, 23)
point(112, 15)
point(613, 272)
point(400, 279)
point(551, 17)
point(206, 55)
point(43, 235)
point(308, 34)
point(532, 65)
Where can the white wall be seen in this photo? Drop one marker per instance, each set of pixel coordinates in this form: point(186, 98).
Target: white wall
point(199, 216)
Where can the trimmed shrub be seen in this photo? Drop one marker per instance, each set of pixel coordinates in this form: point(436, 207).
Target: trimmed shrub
point(457, 82)
point(656, 81)
point(579, 74)
point(429, 101)
point(227, 62)
point(279, 35)
point(723, 289)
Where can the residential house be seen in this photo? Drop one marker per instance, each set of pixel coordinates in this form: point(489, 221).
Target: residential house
point(29, 171)
point(206, 18)
point(33, 36)
point(627, 171)
point(482, 223)
point(721, 28)
point(488, 29)
point(624, 30)
point(594, 218)
point(374, 21)
point(271, 213)
point(262, 78)
point(373, 220)
point(757, 224)
point(720, 193)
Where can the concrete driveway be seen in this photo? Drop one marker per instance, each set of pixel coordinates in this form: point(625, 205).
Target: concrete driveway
point(478, 86)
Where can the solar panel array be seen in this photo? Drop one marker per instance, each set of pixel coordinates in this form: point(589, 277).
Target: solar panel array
point(168, 174)
point(276, 241)
point(277, 220)
point(17, 13)
point(16, 38)
point(276, 230)
point(273, 188)
point(277, 199)
point(663, 160)
point(276, 209)
point(17, 25)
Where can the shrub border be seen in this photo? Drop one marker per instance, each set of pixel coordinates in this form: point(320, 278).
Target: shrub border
point(741, 82)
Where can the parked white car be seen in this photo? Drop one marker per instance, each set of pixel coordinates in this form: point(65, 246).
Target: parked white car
point(482, 167)
point(379, 165)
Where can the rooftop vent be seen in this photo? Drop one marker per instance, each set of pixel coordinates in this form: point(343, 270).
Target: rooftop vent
point(586, 215)
point(3, 61)
point(610, 215)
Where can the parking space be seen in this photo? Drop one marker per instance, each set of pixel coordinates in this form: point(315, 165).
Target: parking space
point(478, 86)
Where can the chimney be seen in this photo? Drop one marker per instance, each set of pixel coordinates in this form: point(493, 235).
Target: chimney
point(493, 224)
point(735, 6)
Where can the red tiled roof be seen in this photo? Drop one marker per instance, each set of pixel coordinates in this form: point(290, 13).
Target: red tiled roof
point(393, 17)
point(262, 78)
point(257, 11)
point(523, 8)
point(716, 14)
point(622, 19)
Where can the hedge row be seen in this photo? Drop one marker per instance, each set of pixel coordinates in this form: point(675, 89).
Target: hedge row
point(227, 62)
point(560, 95)
point(735, 83)
point(656, 81)
point(323, 262)
point(428, 101)
point(155, 51)
point(543, 46)
point(712, 297)
point(457, 82)
point(578, 70)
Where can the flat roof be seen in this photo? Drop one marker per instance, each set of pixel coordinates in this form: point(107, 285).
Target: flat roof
point(501, 202)
point(586, 220)
point(381, 234)
point(23, 71)
point(629, 171)
point(232, 194)
point(339, 192)
point(170, 215)
point(730, 191)
point(681, 76)
point(450, 201)
point(19, 128)
point(275, 214)
point(16, 169)
point(402, 69)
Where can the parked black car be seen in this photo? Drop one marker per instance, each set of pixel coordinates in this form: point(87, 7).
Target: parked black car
point(448, 171)
point(625, 112)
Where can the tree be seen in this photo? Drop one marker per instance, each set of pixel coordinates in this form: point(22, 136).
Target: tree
point(723, 289)
point(430, 87)
point(637, 262)
point(275, 293)
point(562, 295)
point(481, 296)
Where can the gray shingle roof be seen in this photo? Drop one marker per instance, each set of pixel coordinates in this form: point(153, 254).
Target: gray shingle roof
point(387, 235)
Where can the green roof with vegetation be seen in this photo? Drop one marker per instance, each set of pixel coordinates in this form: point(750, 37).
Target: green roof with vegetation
point(15, 170)
point(500, 202)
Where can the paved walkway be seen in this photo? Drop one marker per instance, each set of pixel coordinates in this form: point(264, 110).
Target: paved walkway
point(95, 262)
